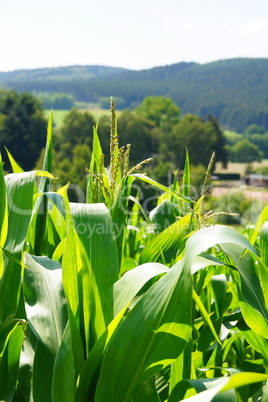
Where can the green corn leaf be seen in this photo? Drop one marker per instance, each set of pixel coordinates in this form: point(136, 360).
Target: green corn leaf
point(10, 289)
point(221, 388)
point(127, 264)
point(71, 263)
point(68, 363)
point(251, 290)
point(131, 283)
point(263, 262)
point(57, 200)
point(44, 300)
point(182, 367)
point(77, 287)
point(45, 309)
point(59, 251)
point(168, 242)
point(203, 261)
point(96, 159)
point(209, 236)
point(149, 325)
point(265, 393)
point(262, 272)
point(260, 221)
point(153, 333)
point(253, 318)
point(20, 190)
point(244, 378)
point(13, 257)
point(252, 300)
point(47, 164)
point(42, 202)
point(26, 365)
point(86, 382)
point(207, 390)
point(135, 212)
point(3, 207)
point(264, 243)
point(94, 191)
point(56, 221)
point(6, 330)
point(257, 341)
point(9, 364)
point(218, 284)
point(164, 215)
point(95, 230)
point(14, 165)
point(186, 179)
point(3, 215)
point(167, 190)
point(205, 316)
point(145, 392)
point(49, 215)
point(63, 384)
point(119, 214)
point(57, 213)
point(42, 373)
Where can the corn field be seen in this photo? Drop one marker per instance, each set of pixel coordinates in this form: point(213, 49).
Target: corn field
point(100, 301)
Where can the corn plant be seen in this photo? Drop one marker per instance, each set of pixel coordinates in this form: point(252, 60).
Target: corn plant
point(94, 308)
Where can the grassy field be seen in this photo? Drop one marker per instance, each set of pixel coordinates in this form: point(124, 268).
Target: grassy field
point(59, 115)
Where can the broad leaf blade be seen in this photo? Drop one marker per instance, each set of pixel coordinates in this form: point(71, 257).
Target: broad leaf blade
point(44, 300)
point(167, 190)
point(9, 364)
point(154, 334)
point(16, 168)
point(95, 230)
point(167, 243)
point(63, 384)
point(131, 283)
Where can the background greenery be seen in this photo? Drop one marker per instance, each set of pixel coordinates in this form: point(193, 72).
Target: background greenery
point(234, 91)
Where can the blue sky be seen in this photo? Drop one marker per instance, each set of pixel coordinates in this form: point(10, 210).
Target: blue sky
point(138, 34)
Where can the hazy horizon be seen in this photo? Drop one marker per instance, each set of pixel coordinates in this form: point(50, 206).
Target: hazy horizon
point(133, 69)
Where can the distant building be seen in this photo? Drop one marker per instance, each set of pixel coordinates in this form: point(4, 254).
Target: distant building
point(257, 180)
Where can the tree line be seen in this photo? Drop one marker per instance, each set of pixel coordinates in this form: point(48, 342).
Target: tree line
point(234, 91)
point(155, 129)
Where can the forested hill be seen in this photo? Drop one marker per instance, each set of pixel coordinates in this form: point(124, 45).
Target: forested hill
point(235, 91)
point(59, 73)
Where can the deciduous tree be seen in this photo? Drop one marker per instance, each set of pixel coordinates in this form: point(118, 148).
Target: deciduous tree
point(159, 109)
point(22, 127)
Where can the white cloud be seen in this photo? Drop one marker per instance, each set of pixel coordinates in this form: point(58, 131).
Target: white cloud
point(188, 24)
point(225, 27)
point(242, 52)
point(253, 27)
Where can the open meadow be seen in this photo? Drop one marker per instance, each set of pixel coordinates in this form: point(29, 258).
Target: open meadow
point(59, 115)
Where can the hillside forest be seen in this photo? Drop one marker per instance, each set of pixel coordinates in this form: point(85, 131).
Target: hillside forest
point(234, 91)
